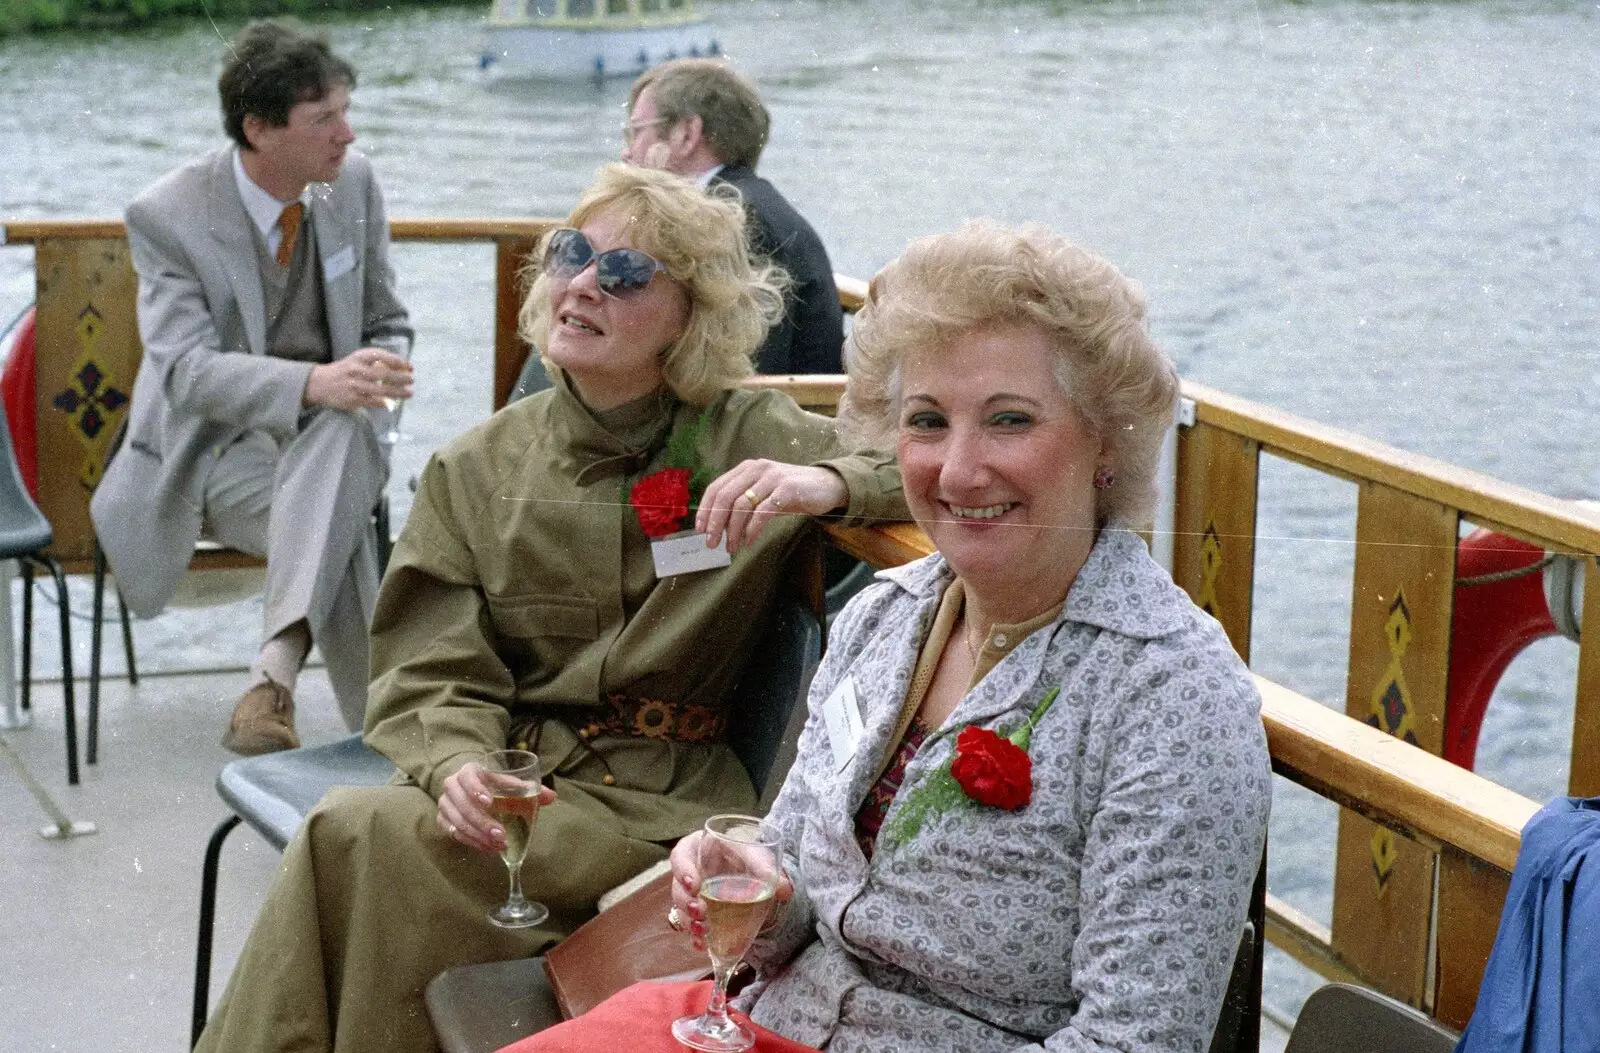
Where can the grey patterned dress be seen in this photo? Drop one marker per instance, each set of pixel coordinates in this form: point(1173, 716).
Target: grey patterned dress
point(1103, 915)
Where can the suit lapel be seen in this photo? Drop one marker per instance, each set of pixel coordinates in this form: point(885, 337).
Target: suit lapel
point(335, 242)
point(230, 228)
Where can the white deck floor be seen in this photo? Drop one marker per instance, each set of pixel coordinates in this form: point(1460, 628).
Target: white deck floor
point(99, 932)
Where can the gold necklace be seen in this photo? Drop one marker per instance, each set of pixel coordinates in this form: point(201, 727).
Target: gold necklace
point(972, 650)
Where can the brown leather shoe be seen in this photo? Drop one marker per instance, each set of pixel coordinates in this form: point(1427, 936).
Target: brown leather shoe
point(263, 721)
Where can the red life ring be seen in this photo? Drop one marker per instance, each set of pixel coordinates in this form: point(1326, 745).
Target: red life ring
point(1500, 608)
point(17, 383)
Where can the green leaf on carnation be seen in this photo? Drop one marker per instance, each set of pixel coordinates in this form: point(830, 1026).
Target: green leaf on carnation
point(1024, 735)
point(937, 793)
point(683, 451)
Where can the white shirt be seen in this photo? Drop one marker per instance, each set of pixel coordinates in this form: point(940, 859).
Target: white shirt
point(704, 179)
point(262, 208)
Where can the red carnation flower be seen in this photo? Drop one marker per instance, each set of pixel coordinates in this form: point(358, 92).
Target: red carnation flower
point(661, 500)
point(992, 770)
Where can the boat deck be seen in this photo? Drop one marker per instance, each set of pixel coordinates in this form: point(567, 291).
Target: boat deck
point(100, 931)
point(99, 936)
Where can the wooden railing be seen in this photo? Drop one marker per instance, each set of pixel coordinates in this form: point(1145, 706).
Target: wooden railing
point(1424, 848)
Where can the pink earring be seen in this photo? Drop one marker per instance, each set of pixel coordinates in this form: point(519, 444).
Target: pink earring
point(1104, 477)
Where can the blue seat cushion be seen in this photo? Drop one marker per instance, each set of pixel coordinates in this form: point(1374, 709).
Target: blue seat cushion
point(274, 792)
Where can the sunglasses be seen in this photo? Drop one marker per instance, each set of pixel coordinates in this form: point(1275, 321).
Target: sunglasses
point(619, 273)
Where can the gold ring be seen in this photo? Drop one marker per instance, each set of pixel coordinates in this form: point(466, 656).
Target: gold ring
point(675, 919)
point(452, 827)
point(754, 498)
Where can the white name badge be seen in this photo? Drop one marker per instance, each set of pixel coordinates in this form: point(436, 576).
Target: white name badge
point(841, 715)
point(341, 262)
point(686, 553)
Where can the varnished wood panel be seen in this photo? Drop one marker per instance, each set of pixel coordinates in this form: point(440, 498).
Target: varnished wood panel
point(88, 355)
point(1471, 896)
point(1399, 664)
point(510, 352)
point(1584, 778)
point(1214, 550)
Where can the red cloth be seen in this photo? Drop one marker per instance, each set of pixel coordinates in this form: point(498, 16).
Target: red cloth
point(16, 388)
point(644, 1013)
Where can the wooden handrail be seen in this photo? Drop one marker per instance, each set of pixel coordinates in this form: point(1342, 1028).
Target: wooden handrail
point(1505, 506)
point(1390, 781)
point(29, 231)
point(852, 292)
point(1513, 509)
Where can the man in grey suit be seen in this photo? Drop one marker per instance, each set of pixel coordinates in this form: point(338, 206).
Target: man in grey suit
point(272, 338)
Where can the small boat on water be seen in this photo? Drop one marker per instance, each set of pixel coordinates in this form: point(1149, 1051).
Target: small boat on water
point(563, 39)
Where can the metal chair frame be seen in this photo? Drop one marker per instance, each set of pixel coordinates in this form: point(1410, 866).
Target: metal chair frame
point(38, 560)
point(32, 536)
point(273, 793)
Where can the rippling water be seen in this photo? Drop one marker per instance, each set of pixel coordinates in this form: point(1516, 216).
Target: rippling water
point(1382, 216)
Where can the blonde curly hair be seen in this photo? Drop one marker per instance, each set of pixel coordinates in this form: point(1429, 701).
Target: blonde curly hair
point(699, 236)
point(985, 274)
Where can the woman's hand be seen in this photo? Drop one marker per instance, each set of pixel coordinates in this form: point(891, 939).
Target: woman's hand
point(730, 503)
point(686, 889)
point(464, 809)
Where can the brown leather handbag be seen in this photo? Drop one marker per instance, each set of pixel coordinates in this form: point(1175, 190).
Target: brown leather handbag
point(620, 946)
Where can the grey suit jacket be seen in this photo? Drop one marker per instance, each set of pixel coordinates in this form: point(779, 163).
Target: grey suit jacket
point(206, 377)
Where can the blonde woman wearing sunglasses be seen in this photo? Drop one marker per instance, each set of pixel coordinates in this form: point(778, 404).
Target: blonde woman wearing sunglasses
point(525, 607)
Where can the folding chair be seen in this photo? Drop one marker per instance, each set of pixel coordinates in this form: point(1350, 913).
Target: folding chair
point(25, 534)
point(273, 793)
point(1343, 1018)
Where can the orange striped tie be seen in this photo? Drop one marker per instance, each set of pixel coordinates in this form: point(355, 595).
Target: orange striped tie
point(289, 227)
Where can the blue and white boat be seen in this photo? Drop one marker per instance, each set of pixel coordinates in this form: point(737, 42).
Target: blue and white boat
point(593, 38)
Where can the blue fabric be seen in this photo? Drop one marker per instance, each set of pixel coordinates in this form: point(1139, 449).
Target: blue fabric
point(1541, 990)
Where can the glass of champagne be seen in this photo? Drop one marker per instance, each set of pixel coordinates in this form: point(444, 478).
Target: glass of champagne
point(392, 434)
point(512, 777)
point(738, 859)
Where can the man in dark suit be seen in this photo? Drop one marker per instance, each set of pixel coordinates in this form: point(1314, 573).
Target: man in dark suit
point(702, 120)
point(272, 337)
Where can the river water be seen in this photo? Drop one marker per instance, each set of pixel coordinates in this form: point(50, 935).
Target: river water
point(1382, 216)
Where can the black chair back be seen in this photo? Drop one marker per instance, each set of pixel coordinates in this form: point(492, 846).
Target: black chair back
point(23, 528)
point(769, 702)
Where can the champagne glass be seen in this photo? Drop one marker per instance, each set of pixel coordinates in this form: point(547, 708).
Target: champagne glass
point(512, 777)
point(392, 434)
point(738, 860)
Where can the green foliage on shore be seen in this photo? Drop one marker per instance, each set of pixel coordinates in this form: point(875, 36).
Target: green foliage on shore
point(18, 16)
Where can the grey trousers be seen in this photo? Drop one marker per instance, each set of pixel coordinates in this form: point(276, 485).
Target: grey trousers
point(305, 505)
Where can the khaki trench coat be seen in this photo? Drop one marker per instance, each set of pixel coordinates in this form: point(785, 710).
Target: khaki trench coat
point(520, 598)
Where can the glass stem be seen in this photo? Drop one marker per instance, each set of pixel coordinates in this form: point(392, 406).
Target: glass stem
point(515, 901)
point(721, 973)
